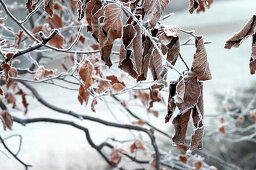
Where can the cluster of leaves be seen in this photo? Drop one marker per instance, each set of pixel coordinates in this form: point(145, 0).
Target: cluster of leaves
point(235, 41)
point(145, 44)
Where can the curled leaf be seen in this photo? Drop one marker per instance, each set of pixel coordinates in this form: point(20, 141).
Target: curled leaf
point(246, 31)
point(48, 6)
point(85, 72)
point(137, 145)
point(200, 66)
point(7, 119)
point(252, 64)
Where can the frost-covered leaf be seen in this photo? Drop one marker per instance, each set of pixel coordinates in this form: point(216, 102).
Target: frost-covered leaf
point(114, 80)
point(137, 145)
point(57, 41)
point(200, 67)
point(192, 93)
point(94, 102)
point(83, 95)
point(252, 64)
point(39, 73)
point(171, 104)
point(154, 9)
point(139, 122)
point(197, 139)
point(156, 64)
point(31, 5)
point(198, 164)
point(85, 72)
point(183, 159)
point(48, 6)
point(180, 91)
point(246, 31)
point(55, 20)
point(131, 51)
point(199, 5)
point(117, 87)
point(103, 85)
point(116, 156)
point(180, 125)
point(7, 119)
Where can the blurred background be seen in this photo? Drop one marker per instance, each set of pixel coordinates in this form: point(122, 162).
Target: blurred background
point(45, 146)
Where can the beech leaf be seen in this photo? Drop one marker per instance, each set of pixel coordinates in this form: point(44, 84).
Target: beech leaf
point(246, 31)
point(85, 72)
point(48, 6)
point(252, 64)
point(200, 66)
point(154, 9)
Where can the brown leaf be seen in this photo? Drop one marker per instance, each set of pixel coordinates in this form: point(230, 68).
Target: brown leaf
point(18, 38)
point(137, 145)
point(85, 72)
point(198, 164)
point(180, 125)
point(183, 159)
point(83, 95)
point(131, 51)
point(197, 139)
point(103, 85)
point(117, 87)
point(180, 91)
point(199, 5)
point(114, 80)
point(31, 4)
point(116, 156)
point(171, 104)
point(155, 96)
point(200, 66)
point(156, 66)
point(105, 43)
point(246, 31)
point(139, 122)
point(191, 94)
point(11, 99)
point(113, 21)
point(39, 73)
point(198, 117)
point(173, 50)
point(7, 119)
point(94, 21)
point(94, 102)
point(91, 9)
point(1, 92)
point(57, 41)
point(222, 130)
point(154, 9)
point(55, 20)
point(48, 6)
point(252, 64)
point(12, 73)
point(143, 96)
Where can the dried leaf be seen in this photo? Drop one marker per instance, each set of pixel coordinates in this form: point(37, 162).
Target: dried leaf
point(103, 85)
point(139, 122)
point(171, 104)
point(252, 64)
point(222, 130)
point(57, 41)
point(113, 21)
point(156, 65)
point(180, 91)
point(173, 50)
point(7, 119)
point(154, 9)
point(191, 94)
point(85, 72)
point(143, 96)
point(31, 4)
point(199, 5)
point(11, 99)
point(48, 6)
point(94, 102)
point(1, 92)
point(197, 139)
point(198, 164)
point(180, 124)
point(199, 115)
point(117, 87)
point(183, 159)
point(114, 80)
point(200, 66)
point(137, 145)
point(246, 31)
point(39, 73)
point(116, 156)
point(83, 95)
point(55, 20)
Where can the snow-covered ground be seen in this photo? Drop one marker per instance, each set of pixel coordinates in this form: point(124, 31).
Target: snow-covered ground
point(57, 147)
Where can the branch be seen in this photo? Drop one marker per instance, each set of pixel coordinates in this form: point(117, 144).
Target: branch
point(94, 119)
point(14, 155)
